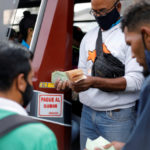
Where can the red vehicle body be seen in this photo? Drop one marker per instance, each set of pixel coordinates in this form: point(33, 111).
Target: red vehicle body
point(53, 51)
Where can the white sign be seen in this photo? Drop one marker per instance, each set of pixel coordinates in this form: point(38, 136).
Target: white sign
point(50, 105)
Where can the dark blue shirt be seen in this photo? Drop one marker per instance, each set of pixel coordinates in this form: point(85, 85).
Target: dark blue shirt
point(140, 137)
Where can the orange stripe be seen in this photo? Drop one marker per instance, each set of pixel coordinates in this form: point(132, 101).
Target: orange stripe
point(105, 50)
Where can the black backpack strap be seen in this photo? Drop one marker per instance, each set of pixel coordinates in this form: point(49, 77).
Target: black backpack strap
point(99, 47)
point(11, 122)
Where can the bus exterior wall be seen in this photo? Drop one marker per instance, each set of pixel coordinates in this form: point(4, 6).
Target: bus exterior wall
point(53, 52)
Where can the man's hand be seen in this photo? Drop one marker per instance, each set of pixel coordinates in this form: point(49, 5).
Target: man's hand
point(117, 145)
point(83, 85)
point(62, 85)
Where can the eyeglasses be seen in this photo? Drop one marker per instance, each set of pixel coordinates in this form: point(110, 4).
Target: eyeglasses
point(103, 12)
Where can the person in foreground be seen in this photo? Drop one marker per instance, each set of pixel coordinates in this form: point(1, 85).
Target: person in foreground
point(15, 93)
point(108, 101)
point(136, 26)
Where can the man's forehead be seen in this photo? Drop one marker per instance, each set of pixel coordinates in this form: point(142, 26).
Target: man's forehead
point(133, 30)
point(98, 4)
point(132, 35)
point(105, 1)
point(128, 32)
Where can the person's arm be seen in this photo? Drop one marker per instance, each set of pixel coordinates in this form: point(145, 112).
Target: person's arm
point(104, 84)
point(131, 81)
point(133, 72)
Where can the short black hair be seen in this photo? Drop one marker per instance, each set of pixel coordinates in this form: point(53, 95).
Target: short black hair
point(136, 15)
point(14, 59)
point(28, 21)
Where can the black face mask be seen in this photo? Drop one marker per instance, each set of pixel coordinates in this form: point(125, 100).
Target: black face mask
point(27, 94)
point(105, 22)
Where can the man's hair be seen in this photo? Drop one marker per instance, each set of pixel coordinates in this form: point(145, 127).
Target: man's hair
point(136, 16)
point(28, 21)
point(14, 59)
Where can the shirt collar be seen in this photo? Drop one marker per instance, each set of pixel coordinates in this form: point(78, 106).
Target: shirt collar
point(25, 44)
point(13, 106)
point(116, 23)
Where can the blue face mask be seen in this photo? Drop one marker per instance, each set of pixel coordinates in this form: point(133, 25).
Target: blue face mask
point(147, 58)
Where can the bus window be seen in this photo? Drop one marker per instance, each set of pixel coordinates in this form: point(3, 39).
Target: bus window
point(82, 17)
point(7, 13)
point(11, 13)
point(19, 15)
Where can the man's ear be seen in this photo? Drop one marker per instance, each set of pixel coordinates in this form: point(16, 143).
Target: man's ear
point(146, 36)
point(21, 83)
point(30, 31)
point(118, 7)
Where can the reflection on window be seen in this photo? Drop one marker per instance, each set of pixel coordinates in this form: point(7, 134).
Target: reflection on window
point(86, 26)
point(13, 17)
point(10, 16)
point(6, 16)
point(81, 12)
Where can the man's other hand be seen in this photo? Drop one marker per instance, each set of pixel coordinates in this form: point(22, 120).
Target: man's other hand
point(117, 145)
point(83, 85)
point(62, 85)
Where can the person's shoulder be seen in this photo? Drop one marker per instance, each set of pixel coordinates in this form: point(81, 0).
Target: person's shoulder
point(5, 113)
point(33, 136)
point(114, 36)
point(93, 30)
point(34, 131)
point(38, 129)
point(40, 134)
point(146, 83)
point(116, 30)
